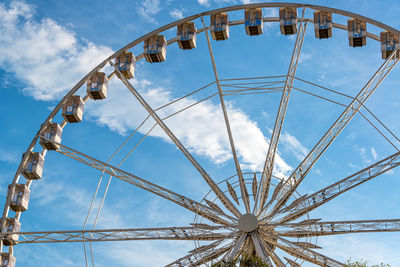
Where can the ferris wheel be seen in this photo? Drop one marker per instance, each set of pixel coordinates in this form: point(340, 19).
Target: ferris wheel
point(258, 212)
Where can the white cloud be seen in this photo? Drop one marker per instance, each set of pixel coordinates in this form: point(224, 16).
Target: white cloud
point(73, 203)
point(374, 153)
point(203, 2)
point(304, 57)
point(176, 13)
point(362, 151)
point(8, 156)
point(56, 59)
point(298, 150)
point(142, 251)
point(201, 128)
point(207, 3)
point(44, 55)
point(148, 9)
point(366, 157)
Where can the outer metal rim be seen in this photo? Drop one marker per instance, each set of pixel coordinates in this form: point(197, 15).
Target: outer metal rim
point(174, 24)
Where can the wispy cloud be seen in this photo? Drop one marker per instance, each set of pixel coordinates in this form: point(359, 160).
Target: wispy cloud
point(39, 53)
point(73, 203)
point(8, 156)
point(148, 9)
point(204, 2)
point(176, 13)
point(201, 128)
point(208, 3)
point(142, 251)
point(56, 59)
point(298, 150)
point(368, 155)
point(374, 154)
point(53, 52)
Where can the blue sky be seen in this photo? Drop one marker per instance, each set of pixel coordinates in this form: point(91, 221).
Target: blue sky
point(48, 46)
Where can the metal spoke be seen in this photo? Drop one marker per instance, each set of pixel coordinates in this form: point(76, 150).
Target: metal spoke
point(260, 250)
point(307, 254)
point(220, 194)
point(330, 192)
point(292, 263)
point(280, 117)
point(165, 233)
point(236, 247)
point(305, 166)
point(243, 190)
point(278, 262)
point(212, 255)
point(198, 208)
point(337, 227)
point(195, 254)
point(198, 257)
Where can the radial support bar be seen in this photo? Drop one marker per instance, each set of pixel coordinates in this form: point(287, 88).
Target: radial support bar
point(236, 247)
point(280, 117)
point(260, 250)
point(243, 190)
point(214, 187)
point(307, 254)
point(337, 227)
point(199, 257)
point(278, 262)
point(202, 210)
point(328, 193)
point(305, 166)
point(166, 233)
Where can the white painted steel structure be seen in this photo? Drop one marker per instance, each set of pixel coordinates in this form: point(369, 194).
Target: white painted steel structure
point(266, 225)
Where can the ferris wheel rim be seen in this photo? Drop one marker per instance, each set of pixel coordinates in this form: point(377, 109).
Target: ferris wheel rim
point(173, 24)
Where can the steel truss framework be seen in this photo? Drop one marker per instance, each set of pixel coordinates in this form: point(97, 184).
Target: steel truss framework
point(265, 227)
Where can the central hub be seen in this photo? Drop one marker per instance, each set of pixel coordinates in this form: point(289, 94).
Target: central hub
point(248, 223)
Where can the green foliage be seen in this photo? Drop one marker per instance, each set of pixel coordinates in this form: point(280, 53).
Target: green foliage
point(242, 261)
point(364, 263)
point(251, 261)
point(224, 264)
point(255, 261)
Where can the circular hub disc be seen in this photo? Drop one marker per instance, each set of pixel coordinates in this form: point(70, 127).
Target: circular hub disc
point(248, 222)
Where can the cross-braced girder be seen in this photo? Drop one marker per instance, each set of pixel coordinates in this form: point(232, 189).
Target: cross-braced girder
point(305, 166)
point(198, 208)
point(243, 190)
point(230, 240)
point(221, 196)
point(280, 117)
point(165, 233)
point(306, 254)
point(198, 257)
point(330, 192)
point(337, 227)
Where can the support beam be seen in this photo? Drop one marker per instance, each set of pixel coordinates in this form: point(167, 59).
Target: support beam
point(214, 187)
point(307, 254)
point(280, 117)
point(278, 262)
point(351, 110)
point(230, 256)
point(197, 258)
point(198, 208)
point(243, 190)
point(212, 255)
point(260, 250)
point(164, 233)
point(330, 192)
point(337, 227)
